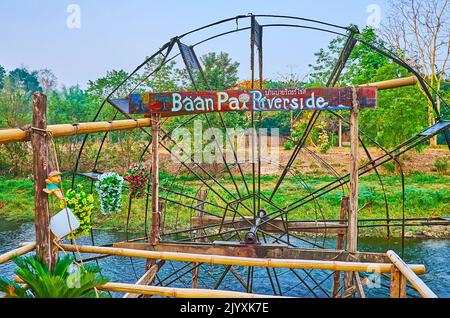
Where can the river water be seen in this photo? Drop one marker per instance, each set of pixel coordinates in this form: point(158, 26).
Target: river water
point(433, 253)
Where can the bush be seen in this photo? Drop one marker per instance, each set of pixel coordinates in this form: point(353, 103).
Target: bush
point(441, 165)
point(288, 145)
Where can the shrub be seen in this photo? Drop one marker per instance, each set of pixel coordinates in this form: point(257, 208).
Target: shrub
point(288, 145)
point(441, 164)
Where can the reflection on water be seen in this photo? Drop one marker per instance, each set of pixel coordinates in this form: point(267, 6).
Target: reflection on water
point(433, 253)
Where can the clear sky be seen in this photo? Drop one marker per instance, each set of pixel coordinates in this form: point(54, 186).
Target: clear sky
point(116, 34)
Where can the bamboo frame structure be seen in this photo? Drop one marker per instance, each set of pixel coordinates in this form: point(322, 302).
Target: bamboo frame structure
point(242, 261)
point(26, 248)
point(406, 271)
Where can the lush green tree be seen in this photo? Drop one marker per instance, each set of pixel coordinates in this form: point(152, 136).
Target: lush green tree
point(69, 105)
point(25, 79)
point(401, 112)
point(2, 76)
point(219, 69)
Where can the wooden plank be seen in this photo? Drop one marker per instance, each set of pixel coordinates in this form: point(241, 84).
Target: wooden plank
point(287, 99)
point(45, 248)
point(240, 261)
point(17, 252)
point(417, 283)
point(359, 286)
point(276, 225)
point(147, 278)
point(177, 292)
point(256, 250)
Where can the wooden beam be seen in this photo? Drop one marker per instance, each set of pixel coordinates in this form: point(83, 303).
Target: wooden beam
point(62, 130)
point(398, 284)
point(418, 284)
point(45, 248)
point(240, 261)
point(147, 278)
point(177, 292)
point(17, 252)
point(276, 225)
point(257, 250)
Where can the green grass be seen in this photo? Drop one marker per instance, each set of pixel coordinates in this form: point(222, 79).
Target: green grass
point(426, 195)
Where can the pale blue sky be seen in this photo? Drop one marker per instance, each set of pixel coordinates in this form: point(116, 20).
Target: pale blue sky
point(119, 34)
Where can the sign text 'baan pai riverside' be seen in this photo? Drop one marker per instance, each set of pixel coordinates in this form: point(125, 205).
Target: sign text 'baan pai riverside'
point(185, 103)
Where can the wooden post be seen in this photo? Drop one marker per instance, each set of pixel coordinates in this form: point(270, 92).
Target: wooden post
point(352, 222)
point(343, 215)
point(45, 249)
point(398, 284)
point(154, 236)
point(340, 134)
point(352, 232)
point(156, 217)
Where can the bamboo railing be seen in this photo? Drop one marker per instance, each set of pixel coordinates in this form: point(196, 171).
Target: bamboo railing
point(241, 261)
point(28, 247)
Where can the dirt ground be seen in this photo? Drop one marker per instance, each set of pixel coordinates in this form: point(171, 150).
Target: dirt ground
point(337, 158)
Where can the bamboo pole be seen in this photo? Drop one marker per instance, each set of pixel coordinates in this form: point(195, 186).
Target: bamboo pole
point(418, 284)
point(147, 278)
point(61, 130)
point(241, 261)
point(17, 252)
point(393, 83)
point(177, 292)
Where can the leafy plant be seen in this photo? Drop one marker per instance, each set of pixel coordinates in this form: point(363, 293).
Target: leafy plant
point(65, 280)
point(109, 189)
point(137, 175)
point(288, 145)
point(81, 204)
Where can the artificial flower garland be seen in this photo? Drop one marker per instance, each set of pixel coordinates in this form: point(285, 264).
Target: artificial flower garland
point(137, 175)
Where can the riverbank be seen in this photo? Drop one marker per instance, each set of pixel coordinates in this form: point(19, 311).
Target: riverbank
point(427, 195)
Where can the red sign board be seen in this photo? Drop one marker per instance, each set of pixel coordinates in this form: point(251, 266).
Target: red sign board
point(185, 103)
